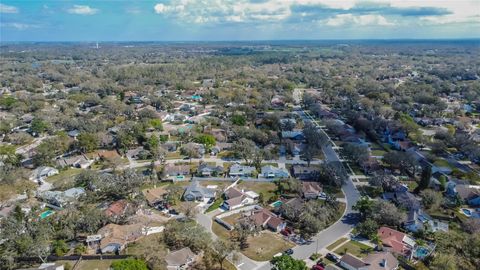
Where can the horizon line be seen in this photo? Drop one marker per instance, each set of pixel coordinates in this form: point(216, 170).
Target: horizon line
point(243, 40)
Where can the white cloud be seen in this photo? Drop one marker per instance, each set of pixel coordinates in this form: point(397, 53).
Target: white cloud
point(19, 26)
point(362, 20)
point(8, 9)
point(82, 10)
point(241, 11)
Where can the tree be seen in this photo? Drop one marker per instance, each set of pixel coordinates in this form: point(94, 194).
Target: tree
point(387, 213)
point(387, 182)
point(332, 173)
point(286, 262)
point(364, 206)
point(239, 120)
point(59, 247)
point(87, 142)
point(190, 150)
point(308, 153)
point(309, 226)
point(403, 161)
point(244, 148)
point(425, 178)
point(180, 234)
point(156, 124)
point(443, 262)
point(431, 199)
point(367, 228)
point(129, 264)
point(38, 126)
point(206, 139)
point(152, 143)
point(221, 250)
point(355, 152)
point(44, 155)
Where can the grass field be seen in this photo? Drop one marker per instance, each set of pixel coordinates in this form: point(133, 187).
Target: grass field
point(65, 179)
point(89, 264)
point(336, 243)
point(8, 191)
point(266, 188)
point(265, 245)
point(353, 247)
point(220, 231)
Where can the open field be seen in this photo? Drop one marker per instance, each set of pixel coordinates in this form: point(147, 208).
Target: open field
point(265, 245)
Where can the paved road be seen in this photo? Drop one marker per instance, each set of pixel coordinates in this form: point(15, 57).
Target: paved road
point(346, 223)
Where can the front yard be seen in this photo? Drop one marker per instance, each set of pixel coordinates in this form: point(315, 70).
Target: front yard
point(355, 248)
point(65, 179)
point(264, 246)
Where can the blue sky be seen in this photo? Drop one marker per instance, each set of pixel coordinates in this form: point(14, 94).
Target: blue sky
point(117, 20)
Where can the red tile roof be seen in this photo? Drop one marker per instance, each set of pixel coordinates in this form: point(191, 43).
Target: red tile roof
point(393, 239)
point(117, 208)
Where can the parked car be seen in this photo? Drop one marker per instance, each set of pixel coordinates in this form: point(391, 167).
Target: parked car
point(289, 251)
point(318, 267)
point(332, 257)
point(320, 263)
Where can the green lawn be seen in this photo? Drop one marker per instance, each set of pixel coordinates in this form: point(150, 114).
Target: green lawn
point(442, 163)
point(266, 188)
point(89, 264)
point(173, 155)
point(378, 152)
point(220, 231)
point(218, 202)
point(353, 247)
point(337, 192)
point(336, 243)
point(262, 247)
point(65, 179)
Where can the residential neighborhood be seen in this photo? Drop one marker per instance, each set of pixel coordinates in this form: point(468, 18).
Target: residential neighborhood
point(240, 156)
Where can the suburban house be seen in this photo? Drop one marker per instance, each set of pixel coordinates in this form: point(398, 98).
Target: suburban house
point(350, 262)
point(395, 241)
point(195, 192)
point(61, 198)
point(296, 135)
point(154, 196)
point(46, 266)
point(238, 170)
point(117, 209)
point(174, 173)
point(267, 220)
point(402, 197)
point(42, 172)
point(467, 193)
point(79, 161)
point(116, 237)
point(207, 170)
point(269, 171)
point(418, 220)
point(381, 261)
point(312, 190)
point(304, 172)
point(235, 198)
point(180, 259)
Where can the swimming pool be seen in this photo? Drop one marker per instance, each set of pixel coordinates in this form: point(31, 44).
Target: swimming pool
point(466, 212)
point(46, 214)
point(277, 204)
point(421, 252)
